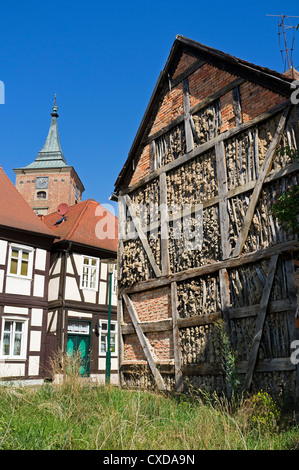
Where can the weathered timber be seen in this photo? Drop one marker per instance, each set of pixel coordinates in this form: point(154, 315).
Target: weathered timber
point(237, 105)
point(144, 343)
point(176, 339)
point(148, 326)
point(222, 194)
point(187, 116)
point(260, 322)
point(165, 263)
point(267, 365)
point(142, 236)
point(207, 146)
point(179, 78)
point(194, 109)
point(259, 183)
point(244, 188)
point(276, 306)
point(258, 255)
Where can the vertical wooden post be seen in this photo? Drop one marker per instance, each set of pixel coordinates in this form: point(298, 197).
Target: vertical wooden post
point(187, 116)
point(165, 263)
point(176, 340)
point(237, 105)
point(222, 193)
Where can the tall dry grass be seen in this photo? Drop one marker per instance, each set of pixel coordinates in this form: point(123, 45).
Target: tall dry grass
point(76, 414)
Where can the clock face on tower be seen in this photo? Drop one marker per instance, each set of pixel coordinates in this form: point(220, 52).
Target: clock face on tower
point(41, 182)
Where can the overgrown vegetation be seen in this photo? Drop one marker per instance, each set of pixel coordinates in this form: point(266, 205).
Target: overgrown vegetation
point(75, 414)
point(91, 417)
point(286, 206)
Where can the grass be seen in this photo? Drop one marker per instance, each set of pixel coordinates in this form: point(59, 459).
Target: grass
point(75, 414)
point(89, 417)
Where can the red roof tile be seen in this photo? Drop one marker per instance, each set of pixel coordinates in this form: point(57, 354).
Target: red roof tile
point(15, 212)
point(87, 223)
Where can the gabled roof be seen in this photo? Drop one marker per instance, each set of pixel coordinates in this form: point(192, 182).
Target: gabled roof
point(15, 213)
point(270, 79)
point(87, 223)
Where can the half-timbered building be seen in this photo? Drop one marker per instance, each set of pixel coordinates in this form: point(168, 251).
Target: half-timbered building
point(25, 244)
point(79, 286)
point(198, 246)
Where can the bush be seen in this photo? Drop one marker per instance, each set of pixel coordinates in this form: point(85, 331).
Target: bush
point(265, 410)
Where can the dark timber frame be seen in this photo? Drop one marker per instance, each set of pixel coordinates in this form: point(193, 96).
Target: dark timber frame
point(232, 257)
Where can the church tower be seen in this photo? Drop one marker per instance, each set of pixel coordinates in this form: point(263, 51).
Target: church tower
point(49, 180)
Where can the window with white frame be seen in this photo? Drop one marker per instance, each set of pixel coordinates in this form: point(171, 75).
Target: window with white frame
point(20, 261)
point(90, 273)
point(104, 337)
point(13, 338)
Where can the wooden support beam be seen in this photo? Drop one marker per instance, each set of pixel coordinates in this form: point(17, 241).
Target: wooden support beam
point(142, 236)
point(237, 105)
point(259, 184)
point(187, 116)
point(260, 322)
point(211, 268)
point(176, 339)
point(165, 262)
point(244, 188)
point(222, 194)
point(203, 148)
point(144, 343)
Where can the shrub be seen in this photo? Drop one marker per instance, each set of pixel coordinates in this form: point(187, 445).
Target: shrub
point(265, 410)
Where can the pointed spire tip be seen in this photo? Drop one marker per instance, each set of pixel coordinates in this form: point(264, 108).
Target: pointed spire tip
point(55, 108)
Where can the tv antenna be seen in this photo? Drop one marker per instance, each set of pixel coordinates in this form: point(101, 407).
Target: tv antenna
point(283, 27)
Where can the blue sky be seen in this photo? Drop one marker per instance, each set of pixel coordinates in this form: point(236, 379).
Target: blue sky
point(102, 60)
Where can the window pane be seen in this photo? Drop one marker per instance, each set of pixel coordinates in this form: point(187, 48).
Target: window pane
point(13, 266)
point(25, 255)
point(8, 325)
point(112, 327)
point(14, 253)
point(17, 345)
point(112, 343)
point(93, 278)
point(104, 326)
point(103, 343)
point(86, 261)
point(19, 326)
point(24, 268)
point(6, 341)
point(94, 262)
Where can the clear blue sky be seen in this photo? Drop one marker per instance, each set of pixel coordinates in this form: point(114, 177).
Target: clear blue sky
point(103, 60)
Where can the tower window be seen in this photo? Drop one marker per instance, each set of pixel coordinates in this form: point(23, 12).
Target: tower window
point(41, 195)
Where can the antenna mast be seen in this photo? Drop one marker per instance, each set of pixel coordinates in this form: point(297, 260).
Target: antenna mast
point(284, 27)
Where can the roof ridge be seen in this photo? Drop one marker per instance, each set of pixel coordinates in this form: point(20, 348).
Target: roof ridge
point(79, 219)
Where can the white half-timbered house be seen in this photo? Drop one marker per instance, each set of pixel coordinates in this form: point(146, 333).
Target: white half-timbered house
point(79, 286)
point(25, 244)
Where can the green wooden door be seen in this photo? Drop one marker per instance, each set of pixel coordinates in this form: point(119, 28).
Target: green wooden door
point(77, 343)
